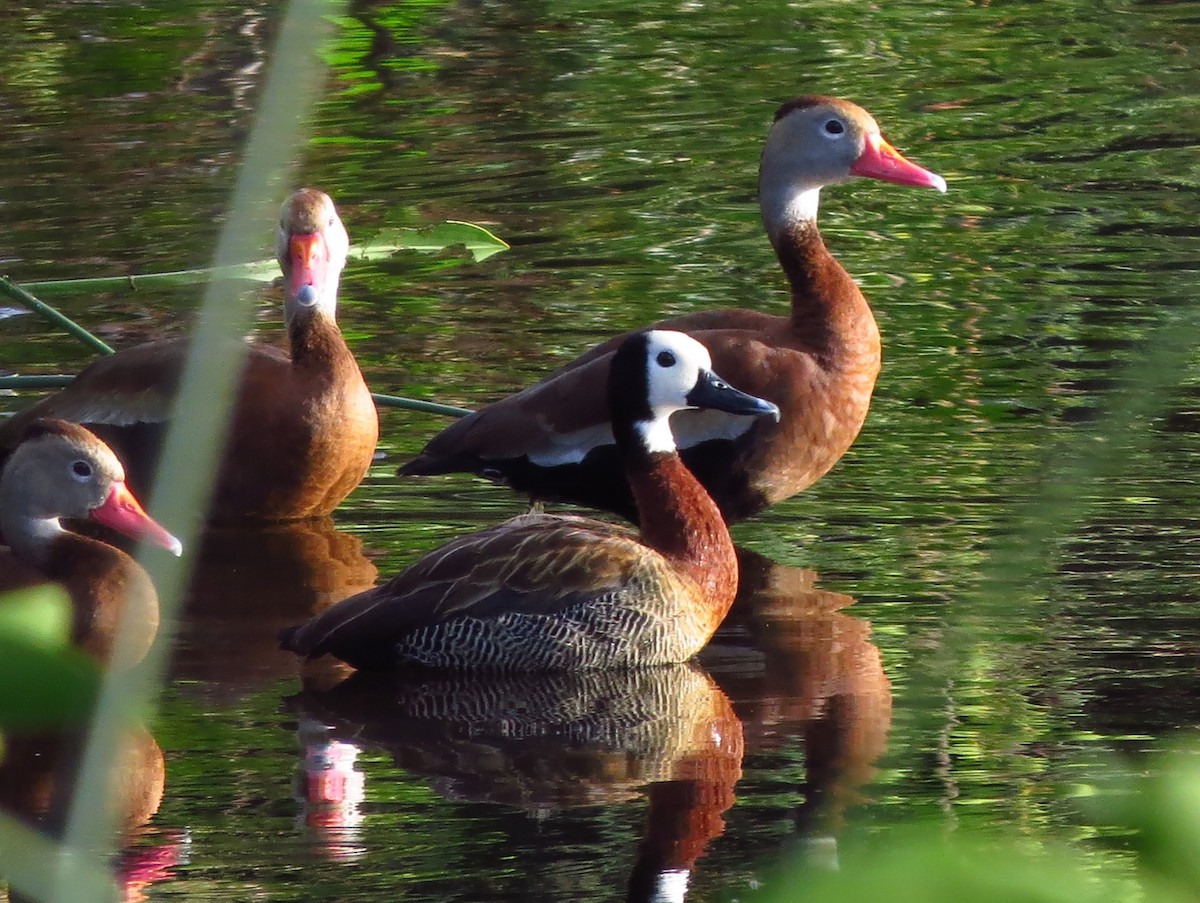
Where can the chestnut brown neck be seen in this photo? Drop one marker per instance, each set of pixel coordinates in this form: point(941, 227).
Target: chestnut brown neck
point(317, 342)
point(830, 316)
point(681, 521)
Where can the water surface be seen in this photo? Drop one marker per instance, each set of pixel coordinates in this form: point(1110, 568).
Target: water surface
point(892, 658)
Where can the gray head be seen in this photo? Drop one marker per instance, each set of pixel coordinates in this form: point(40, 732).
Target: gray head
point(817, 141)
point(62, 470)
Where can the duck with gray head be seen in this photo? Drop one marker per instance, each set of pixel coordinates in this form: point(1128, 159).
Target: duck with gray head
point(60, 470)
point(818, 364)
point(545, 592)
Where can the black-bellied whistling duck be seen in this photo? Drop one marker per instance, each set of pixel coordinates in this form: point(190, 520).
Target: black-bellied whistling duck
point(304, 426)
point(543, 592)
point(554, 441)
point(62, 470)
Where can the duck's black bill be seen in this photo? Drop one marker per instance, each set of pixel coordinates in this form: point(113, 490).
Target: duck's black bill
point(713, 392)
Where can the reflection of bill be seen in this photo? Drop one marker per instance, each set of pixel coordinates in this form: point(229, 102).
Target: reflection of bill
point(139, 867)
point(330, 789)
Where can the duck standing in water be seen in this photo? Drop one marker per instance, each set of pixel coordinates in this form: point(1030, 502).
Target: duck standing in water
point(62, 470)
point(543, 592)
point(304, 425)
point(554, 441)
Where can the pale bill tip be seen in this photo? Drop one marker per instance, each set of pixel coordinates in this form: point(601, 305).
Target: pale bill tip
point(938, 182)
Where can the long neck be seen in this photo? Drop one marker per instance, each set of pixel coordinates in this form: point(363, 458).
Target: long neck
point(316, 341)
point(829, 314)
point(681, 521)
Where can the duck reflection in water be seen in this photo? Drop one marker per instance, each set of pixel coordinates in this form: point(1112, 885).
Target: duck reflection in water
point(250, 583)
point(330, 790)
point(802, 672)
point(543, 743)
point(37, 782)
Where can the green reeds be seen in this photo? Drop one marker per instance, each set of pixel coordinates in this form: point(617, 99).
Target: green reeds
point(476, 240)
point(76, 868)
point(14, 291)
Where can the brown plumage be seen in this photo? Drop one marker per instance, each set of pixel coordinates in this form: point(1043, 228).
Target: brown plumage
point(818, 365)
point(304, 426)
point(543, 592)
point(61, 470)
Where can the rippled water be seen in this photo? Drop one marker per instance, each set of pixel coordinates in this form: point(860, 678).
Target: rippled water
point(892, 658)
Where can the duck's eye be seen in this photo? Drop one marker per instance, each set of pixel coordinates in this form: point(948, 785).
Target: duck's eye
point(665, 359)
point(329, 222)
point(834, 127)
point(81, 470)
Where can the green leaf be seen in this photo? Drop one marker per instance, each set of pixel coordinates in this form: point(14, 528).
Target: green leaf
point(44, 688)
point(40, 616)
point(478, 241)
point(44, 681)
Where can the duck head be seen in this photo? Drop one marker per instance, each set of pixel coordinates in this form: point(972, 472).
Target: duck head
point(817, 141)
point(656, 373)
point(311, 246)
point(62, 470)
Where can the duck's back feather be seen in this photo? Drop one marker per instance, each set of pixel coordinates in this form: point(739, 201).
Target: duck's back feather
point(299, 441)
point(534, 593)
point(554, 439)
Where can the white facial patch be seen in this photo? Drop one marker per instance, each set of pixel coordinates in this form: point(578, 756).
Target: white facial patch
point(673, 365)
point(656, 434)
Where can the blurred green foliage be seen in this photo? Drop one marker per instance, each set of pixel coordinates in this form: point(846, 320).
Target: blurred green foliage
point(44, 682)
point(1159, 813)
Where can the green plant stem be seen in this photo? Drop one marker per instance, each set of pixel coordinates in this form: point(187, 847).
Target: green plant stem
point(146, 280)
point(58, 380)
point(36, 381)
point(195, 438)
point(414, 404)
point(20, 295)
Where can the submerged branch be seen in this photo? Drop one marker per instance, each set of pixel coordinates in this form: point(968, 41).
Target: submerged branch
point(415, 404)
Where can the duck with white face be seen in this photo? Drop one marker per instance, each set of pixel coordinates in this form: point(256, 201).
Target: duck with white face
point(818, 361)
point(545, 592)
